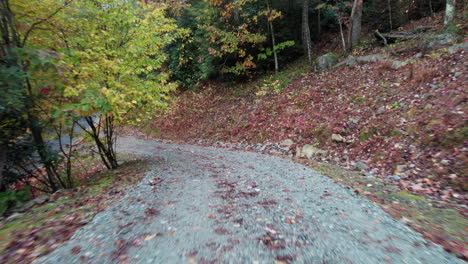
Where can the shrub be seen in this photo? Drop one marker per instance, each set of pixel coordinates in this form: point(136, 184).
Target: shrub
point(11, 198)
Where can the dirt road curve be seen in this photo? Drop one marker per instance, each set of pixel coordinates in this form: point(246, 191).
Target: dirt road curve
point(208, 205)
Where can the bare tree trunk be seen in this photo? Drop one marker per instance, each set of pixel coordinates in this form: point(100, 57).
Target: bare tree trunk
point(449, 11)
point(430, 8)
point(3, 156)
point(306, 30)
point(319, 24)
point(389, 4)
point(273, 40)
point(106, 144)
point(354, 31)
point(343, 42)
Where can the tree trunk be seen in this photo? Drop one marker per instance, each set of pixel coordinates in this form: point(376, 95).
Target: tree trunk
point(11, 40)
point(306, 30)
point(430, 8)
point(449, 11)
point(343, 42)
point(273, 40)
point(389, 4)
point(3, 185)
point(106, 146)
point(354, 31)
point(319, 24)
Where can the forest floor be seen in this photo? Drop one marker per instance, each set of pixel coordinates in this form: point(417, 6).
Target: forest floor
point(396, 136)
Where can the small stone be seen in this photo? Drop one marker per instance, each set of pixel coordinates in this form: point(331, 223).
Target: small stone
point(445, 162)
point(354, 120)
point(338, 138)
point(310, 151)
point(434, 86)
point(381, 110)
point(418, 56)
point(393, 177)
point(457, 74)
point(361, 166)
point(14, 217)
point(287, 143)
point(401, 168)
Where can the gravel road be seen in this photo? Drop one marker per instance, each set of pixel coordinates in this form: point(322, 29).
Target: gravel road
point(210, 205)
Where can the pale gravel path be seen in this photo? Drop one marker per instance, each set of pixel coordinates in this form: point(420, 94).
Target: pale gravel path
point(220, 206)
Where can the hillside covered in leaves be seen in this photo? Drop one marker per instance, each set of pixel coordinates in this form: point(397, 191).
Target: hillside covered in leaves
point(408, 124)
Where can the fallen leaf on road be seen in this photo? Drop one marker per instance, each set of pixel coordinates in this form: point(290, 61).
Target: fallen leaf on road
point(76, 250)
point(149, 237)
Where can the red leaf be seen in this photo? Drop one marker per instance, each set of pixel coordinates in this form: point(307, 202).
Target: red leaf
point(76, 250)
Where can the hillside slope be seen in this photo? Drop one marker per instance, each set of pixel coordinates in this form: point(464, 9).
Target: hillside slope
point(400, 132)
point(412, 119)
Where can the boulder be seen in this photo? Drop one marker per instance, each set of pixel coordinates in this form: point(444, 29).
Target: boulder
point(437, 41)
point(37, 201)
point(309, 151)
point(351, 60)
point(326, 61)
point(458, 47)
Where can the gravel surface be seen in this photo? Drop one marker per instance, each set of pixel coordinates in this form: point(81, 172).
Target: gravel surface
point(210, 205)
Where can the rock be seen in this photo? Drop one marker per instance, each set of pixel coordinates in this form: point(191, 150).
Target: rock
point(401, 168)
point(416, 187)
point(310, 151)
point(381, 110)
point(31, 203)
point(396, 64)
point(445, 162)
point(371, 58)
point(326, 61)
point(393, 177)
point(351, 60)
point(287, 143)
point(338, 138)
point(354, 120)
point(361, 166)
point(14, 217)
point(458, 47)
point(418, 56)
point(437, 41)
